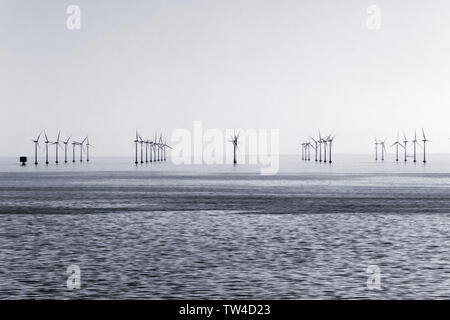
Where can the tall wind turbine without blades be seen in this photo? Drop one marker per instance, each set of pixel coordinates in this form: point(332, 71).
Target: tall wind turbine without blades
point(46, 147)
point(414, 143)
point(36, 146)
point(65, 149)
point(424, 143)
point(303, 151)
point(88, 144)
point(376, 149)
point(405, 141)
point(234, 141)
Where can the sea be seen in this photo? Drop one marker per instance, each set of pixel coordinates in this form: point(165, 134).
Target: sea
point(354, 229)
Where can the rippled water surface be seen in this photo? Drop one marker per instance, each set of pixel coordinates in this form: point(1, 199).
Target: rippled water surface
point(166, 231)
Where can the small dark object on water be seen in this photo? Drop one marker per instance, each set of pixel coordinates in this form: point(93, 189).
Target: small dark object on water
point(23, 160)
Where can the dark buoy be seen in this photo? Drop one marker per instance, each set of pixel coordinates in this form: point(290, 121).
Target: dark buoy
point(23, 160)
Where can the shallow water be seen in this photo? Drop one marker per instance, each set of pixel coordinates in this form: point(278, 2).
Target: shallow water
point(166, 231)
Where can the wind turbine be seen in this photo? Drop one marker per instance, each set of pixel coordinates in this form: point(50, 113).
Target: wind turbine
point(315, 147)
point(307, 151)
point(142, 148)
point(65, 149)
point(87, 148)
point(424, 143)
point(376, 149)
point(414, 143)
point(36, 145)
point(136, 145)
point(150, 147)
point(396, 144)
point(81, 149)
point(74, 144)
point(165, 145)
point(405, 145)
point(146, 142)
point(57, 144)
point(155, 147)
point(330, 143)
point(320, 147)
point(303, 151)
point(325, 141)
point(234, 140)
point(383, 149)
point(160, 148)
point(46, 147)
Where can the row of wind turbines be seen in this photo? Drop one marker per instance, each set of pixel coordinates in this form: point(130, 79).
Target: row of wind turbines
point(155, 150)
point(84, 147)
point(320, 143)
point(402, 144)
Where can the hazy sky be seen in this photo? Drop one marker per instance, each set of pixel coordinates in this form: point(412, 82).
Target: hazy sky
point(159, 65)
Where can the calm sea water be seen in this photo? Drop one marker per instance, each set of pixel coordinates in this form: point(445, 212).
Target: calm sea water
point(166, 231)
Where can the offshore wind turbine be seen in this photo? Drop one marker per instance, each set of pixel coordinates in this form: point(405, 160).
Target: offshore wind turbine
point(141, 142)
point(165, 145)
point(36, 146)
point(57, 145)
point(46, 147)
point(234, 140)
point(325, 141)
point(315, 147)
point(160, 148)
point(414, 143)
point(424, 144)
point(405, 146)
point(87, 148)
point(396, 144)
point(383, 149)
point(136, 145)
point(150, 149)
point(376, 149)
point(330, 144)
point(65, 149)
point(307, 151)
point(81, 149)
point(320, 147)
point(74, 144)
point(303, 150)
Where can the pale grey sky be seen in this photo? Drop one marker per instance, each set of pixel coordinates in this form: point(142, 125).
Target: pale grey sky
point(161, 64)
